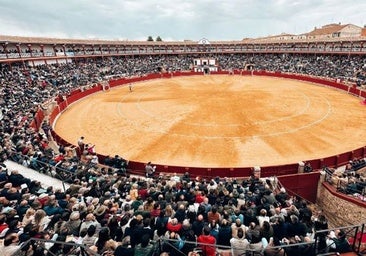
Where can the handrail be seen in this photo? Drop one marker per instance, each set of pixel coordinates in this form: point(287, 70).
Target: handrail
point(37, 242)
point(356, 244)
point(358, 229)
point(58, 169)
point(165, 241)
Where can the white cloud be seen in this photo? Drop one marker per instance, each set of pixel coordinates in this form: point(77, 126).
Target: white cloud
point(173, 19)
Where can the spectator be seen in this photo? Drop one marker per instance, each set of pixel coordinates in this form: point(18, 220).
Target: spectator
point(239, 244)
point(304, 247)
point(188, 236)
point(213, 215)
point(28, 217)
point(236, 226)
point(73, 225)
point(11, 245)
point(81, 144)
point(207, 242)
point(174, 226)
point(337, 242)
point(266, 231)
point(40, 220)
point(104, 242)
point(149, 170)
point(198, 225)
point(254, 237)
point(262, 217)
point(273, 248)
point(4, 227)
point(174, 244)
point(124, 249)
point(308, 168)
point(145, 248)
point(90, 237)
point(321, 223)
point(225, 233)
point(296, 228)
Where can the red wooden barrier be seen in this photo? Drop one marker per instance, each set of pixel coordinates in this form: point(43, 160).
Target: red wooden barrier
point(305, 184)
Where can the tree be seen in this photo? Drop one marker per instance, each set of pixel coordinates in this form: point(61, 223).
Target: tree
point(150, 39)
point(158, 39)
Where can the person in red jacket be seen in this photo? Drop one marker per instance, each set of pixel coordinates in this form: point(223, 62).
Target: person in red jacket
point(207, 242)
point(3, 224)
point(199, 197)
point(174, 226)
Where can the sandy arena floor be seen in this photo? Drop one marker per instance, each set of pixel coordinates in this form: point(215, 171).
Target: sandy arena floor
point(218, 121)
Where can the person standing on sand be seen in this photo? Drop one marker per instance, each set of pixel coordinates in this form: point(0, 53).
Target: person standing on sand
point(149, 170)
point(81, 144)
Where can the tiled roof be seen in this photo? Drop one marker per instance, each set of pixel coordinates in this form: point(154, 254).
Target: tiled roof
point(277, 36)
point(327, 29)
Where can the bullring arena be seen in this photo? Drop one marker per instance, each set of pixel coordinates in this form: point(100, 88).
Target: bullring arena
point(218, 121)
point(270, 107)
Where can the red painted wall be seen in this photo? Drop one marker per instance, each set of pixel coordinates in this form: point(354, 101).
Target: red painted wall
point(305, 184)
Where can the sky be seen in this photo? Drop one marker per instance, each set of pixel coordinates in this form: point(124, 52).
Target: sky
point(173, 20)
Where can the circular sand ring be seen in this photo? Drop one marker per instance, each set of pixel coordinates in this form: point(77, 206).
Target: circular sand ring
point(218, 121)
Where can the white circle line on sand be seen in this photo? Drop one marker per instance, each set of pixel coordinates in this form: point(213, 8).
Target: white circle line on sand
point(134, 123)
point(303, 110)
point(329, 110)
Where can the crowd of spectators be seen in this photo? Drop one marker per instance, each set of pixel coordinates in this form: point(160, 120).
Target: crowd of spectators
point(351, 179)
point(120, 208)
point(113, 213)
point(345, 68)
